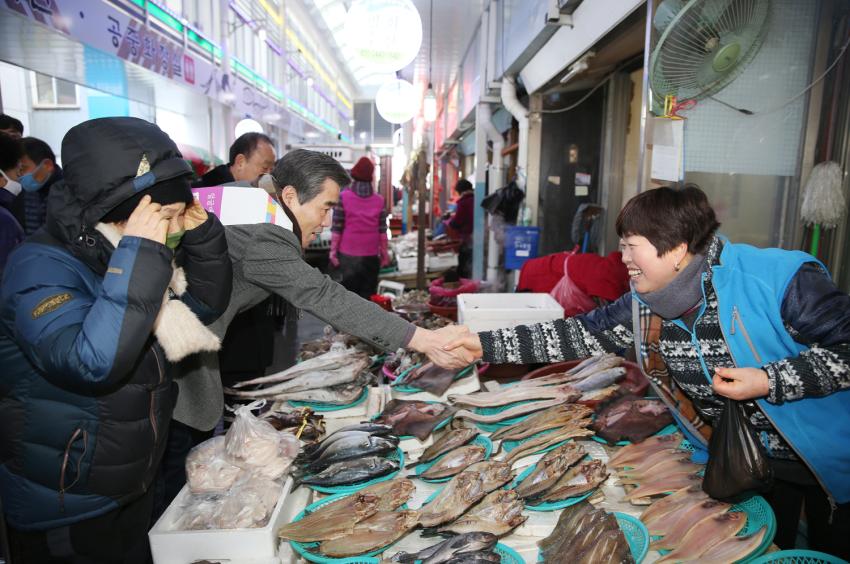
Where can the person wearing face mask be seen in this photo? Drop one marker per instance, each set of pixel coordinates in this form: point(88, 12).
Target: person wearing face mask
point(11, 232)
point(251, 156)
point(95, 309)
point(39, 173)
point(710, 318)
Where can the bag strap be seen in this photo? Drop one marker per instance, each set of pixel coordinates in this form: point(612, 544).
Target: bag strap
point(659, 390)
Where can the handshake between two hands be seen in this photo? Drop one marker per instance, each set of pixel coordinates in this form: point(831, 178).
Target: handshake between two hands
point(452, 347)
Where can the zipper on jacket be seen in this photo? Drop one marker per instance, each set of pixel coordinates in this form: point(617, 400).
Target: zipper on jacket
point(65, 459)
point(770, 419)
point(152, 410)
point(736, 316)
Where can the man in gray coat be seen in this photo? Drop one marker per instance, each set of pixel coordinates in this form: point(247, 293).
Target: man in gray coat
point(269, 259)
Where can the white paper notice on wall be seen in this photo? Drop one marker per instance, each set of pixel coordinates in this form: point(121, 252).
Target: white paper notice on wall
point(667, 149)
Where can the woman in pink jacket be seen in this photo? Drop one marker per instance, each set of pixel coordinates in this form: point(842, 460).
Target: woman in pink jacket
point(359, 232)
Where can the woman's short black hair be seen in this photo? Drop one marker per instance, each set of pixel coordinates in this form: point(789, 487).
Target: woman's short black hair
point(668, 217)
point(463, 185)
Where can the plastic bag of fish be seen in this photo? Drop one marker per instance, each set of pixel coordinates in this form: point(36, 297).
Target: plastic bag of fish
point(248, 504)
point(255, 445)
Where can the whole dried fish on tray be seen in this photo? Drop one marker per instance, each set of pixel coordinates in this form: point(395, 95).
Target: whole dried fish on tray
point(706, 534)
point(631, 418)
point(565, 393)
point(363, 429)
point(327, 362)
point(554, 417)
point(690, 516)
point(733, 549)
point(453, 546)
point(515, 411)
point(549, 470)
point(431, 378)
point(454, 462)
point(499, 513)
point(494, 473)
point(585, 534)
point(627, 455)
point(379, 530)
point(578, 373)
point(449, 440)
point(338, 518)
point(348, 448)
point(310, 380)
point(453, 500)
point(417, 418)
point(534, 445)
point(657, 517)
point(579, 479)
point(664, 484)
point(351, 472)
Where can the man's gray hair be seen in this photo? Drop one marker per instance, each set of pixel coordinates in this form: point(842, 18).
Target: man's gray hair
point(306, 171)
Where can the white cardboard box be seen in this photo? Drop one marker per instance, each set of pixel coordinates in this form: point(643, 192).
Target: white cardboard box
point(245, 545)
point(484, 312)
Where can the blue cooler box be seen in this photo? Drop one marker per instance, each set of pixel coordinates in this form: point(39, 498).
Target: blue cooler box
point(520, 245)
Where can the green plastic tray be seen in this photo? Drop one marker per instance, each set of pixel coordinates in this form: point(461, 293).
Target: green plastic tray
point(351, 488)
point(549, 505)
point(316, 406)
point(479, 440)
point(798, 557)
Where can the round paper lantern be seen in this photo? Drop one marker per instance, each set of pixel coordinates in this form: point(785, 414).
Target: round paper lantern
point(396, 101)
point(248, 125)
point(385, 35)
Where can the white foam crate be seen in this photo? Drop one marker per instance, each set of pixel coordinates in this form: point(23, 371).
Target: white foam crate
point(484, 312)
point(257, 545)
point(408, 264)
point(442, 261)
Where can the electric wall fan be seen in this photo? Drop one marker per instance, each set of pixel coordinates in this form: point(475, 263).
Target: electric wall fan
point(703, 45)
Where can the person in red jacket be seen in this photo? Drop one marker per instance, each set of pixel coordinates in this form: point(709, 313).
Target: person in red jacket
point(459, 226)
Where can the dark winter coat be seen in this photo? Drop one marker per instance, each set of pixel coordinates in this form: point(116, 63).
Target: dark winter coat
point(86, 392)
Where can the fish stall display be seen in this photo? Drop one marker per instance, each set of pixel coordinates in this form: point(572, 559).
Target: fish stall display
point(491, 486)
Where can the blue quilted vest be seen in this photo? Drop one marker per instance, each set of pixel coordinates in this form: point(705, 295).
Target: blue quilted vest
point(750, 284)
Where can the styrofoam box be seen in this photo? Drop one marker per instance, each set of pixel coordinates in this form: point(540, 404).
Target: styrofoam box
point(484, 312)
point(251, 545)
point(442, 261)
point(408, 264)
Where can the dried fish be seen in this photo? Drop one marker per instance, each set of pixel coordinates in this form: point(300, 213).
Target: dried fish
point(600, 379)
point(558, 416)
point(734, 549)
point(453, 500)
point(542, 442)
point(498, 513)
point(417, 418)
point(454, 462)
point(515, 411)
point(549, 470)
point(326, 362)
point(494, 473)
point(565, 393)
point(450, 440)
point(332, 521)
point(705, 535)
point(445, 550)
point(587, 535)
point(309, 380)
point(577, 480)
point(377, 531)
point(352, 471)
point(431, 378)
point(351, 448)
point(671, 504)
point(669, 483)
point(688, 518)
point(640, 451)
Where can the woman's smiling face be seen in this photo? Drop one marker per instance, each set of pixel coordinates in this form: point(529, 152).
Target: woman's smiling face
point(649, 272)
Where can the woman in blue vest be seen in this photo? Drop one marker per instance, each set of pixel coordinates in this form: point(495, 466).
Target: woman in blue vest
point(764, 326)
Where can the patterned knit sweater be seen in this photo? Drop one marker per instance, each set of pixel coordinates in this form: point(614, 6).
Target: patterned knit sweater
point(820, 370)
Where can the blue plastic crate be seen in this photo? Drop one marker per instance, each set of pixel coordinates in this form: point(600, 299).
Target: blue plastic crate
point(520, 245)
